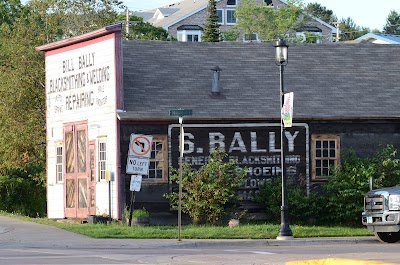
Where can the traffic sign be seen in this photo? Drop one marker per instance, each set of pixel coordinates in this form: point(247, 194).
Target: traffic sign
point(180, 112)
point(140, 145)
point(137, 165)
point(136, 182)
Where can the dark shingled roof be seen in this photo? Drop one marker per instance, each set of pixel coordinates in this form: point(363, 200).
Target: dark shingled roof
point(329, 81)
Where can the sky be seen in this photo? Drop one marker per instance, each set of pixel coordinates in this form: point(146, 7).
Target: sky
point(365, 13)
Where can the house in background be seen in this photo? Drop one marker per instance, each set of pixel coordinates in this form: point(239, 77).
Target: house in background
point(378, 38)
point(345, 97)
point(184, 20)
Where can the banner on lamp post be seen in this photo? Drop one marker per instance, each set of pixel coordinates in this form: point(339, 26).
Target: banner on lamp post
point(287, 110)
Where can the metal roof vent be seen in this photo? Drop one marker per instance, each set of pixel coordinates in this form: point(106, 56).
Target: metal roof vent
point(216, 87)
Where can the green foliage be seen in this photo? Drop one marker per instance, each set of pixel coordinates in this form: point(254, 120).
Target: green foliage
point(348, 184)
point(269, 23)
point(139, 30)
point(23, 191)
point(207, 191)
point(211, 28)
point(140, 213)
point(321, 12)
point(392, 25)
point(350, 31)
point(341, 201)
point(303, 209)
point(230, 35)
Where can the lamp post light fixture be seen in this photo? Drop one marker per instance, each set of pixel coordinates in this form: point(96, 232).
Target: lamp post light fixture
point(281, 60)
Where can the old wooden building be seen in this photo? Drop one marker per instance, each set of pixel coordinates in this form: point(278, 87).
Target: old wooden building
point(101, 89)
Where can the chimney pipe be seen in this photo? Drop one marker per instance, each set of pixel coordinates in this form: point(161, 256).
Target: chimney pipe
point(216, 88)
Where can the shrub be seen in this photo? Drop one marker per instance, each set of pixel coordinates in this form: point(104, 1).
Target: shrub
point(302, 209)
point(22, 190)
point(207, 191)
point(348, 184)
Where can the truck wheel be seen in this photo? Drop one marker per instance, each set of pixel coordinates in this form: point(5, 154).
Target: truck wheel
point(388, 237)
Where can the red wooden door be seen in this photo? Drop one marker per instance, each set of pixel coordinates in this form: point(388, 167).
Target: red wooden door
point(76, 171)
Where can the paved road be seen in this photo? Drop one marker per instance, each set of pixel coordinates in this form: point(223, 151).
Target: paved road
point(29, 243)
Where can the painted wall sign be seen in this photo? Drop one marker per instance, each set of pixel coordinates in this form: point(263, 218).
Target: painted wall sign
point(255, 146)
point(79, 79)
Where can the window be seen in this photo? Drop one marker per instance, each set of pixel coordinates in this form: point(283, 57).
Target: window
point(59, 164)
point(325, 151)
point(231, 2)
point(158, 168)
point(268, 2)
point(230, 16)
point(220, 14)
point(102, 160)
point(250, 37)
point(193, 38)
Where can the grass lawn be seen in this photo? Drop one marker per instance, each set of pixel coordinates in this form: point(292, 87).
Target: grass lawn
point(243, 231)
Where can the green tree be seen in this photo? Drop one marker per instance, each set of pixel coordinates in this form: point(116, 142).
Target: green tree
point(392, 25)
point(269, 23)
point(211, 31)
point(350, 31)
point(207, 191)
point(9, 10)
point(139, 30)
point(22, 81)
point(321, 12)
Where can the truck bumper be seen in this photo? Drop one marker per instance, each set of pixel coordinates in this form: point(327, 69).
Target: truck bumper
point(381, 222)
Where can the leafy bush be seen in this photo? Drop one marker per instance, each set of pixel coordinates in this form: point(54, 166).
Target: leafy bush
point(341, 199)
point(302, 209)
point(348, 184)
point(207, 191)
point(23, 191)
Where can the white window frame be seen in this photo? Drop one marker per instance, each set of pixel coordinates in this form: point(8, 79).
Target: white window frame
point(222, 16)
point(183, 34)
point(319, 158)
point(59, 164)
point(226, 17)
point(102, 159)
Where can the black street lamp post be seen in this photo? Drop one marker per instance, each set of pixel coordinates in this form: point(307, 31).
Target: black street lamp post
point(281, 59)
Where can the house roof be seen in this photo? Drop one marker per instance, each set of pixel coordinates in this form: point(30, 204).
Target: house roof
point(381, 38)
point(329, 81)
point(174, 13)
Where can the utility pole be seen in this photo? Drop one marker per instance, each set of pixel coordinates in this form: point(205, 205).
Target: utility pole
point(337, 24)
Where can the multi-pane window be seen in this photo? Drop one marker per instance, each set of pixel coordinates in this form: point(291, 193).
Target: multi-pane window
point(59, 164)
point(158, 168)
point(325, 152)
point(230, 16)
point(102, 160)
point(220, 14)
point(231, 2)
point(193, 38)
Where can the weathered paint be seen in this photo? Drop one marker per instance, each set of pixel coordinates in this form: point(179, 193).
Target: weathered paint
point(81, 85)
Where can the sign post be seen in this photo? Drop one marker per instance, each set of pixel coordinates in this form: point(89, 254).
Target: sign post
point(138, 164)
point(180, 113)
point(136, 182)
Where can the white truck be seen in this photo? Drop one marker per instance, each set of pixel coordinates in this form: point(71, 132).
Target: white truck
point(382, 213)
